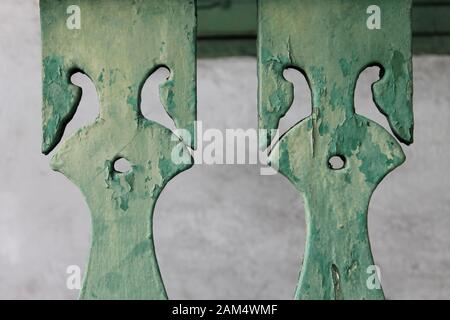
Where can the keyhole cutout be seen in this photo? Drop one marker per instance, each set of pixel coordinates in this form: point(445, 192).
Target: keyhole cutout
point(151, 105)
point(336, 162)
point(301, 105)
point(122, 165)
point(88, 108)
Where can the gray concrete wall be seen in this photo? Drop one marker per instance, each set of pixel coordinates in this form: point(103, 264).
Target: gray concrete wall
point(221, 231)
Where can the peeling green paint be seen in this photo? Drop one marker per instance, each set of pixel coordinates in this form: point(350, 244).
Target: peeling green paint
point(329, 42)
point(120, 43)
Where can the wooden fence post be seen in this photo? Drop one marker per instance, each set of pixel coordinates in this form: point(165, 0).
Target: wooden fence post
point(331, 42)
point(118, 44)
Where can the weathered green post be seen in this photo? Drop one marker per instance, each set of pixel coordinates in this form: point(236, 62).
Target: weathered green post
point(118, 44)
point(332, 42)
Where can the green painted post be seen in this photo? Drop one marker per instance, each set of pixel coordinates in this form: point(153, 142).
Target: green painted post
point(332, 42)
point(118, 44)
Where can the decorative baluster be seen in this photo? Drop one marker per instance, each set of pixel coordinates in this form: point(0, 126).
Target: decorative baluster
point(332, 42)
point(118, 44)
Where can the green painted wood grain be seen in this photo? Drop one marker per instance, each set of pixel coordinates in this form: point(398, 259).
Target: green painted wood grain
point(329, 42)
point(120, 43)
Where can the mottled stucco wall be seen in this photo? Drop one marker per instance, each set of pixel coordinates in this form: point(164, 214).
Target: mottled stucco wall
point(221, 231)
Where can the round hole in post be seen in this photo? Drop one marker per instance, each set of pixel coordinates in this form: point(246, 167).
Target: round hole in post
point(336, 162)
point(122, 165)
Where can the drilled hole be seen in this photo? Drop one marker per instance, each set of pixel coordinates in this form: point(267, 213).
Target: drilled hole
point(122, 165)
point(336, 162)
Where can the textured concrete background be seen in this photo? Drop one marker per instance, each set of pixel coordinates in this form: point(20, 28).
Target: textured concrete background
point(221, 231)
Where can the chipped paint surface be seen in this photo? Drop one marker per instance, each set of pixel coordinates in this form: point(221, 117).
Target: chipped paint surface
point(328, 41)
point(120, 43)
